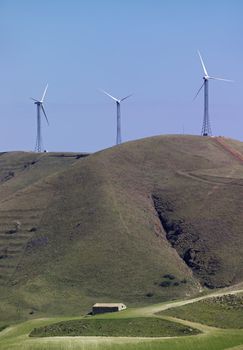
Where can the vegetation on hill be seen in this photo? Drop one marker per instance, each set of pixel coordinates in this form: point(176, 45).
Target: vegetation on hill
point(115, 327)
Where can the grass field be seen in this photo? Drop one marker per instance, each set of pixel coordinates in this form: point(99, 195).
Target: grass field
point(223, 312)
point(210, 338)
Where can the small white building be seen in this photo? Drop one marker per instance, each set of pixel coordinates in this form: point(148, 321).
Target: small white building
point(100, 308)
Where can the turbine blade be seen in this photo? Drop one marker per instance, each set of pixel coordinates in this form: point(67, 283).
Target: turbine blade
point(34, 99)
point(215, 78)
point(44, 93)
point(106, 93)
point(43, 110)
point(124, 98)
point(203, 65)
point(199, 91)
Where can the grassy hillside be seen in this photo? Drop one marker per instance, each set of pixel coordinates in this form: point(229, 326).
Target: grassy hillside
point(143, 222)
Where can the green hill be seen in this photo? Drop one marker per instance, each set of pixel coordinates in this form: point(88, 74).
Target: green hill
point(146, 221)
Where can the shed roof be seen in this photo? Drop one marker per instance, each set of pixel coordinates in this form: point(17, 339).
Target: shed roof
point(108, 305)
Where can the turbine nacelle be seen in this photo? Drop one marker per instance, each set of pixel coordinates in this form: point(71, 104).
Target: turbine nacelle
point(206, 77)
point(118, 100)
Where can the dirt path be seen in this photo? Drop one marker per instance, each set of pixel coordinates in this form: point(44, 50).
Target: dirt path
point(151, 310)
point(221, 141)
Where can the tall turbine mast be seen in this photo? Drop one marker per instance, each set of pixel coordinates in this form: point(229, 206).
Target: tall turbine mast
point(39, 109)
point(118, 115)
point(206, 128)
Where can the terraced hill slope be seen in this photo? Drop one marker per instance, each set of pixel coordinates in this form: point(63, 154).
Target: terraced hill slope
point(143, 222)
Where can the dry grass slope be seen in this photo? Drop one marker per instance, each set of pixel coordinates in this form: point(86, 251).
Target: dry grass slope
point(139, 223)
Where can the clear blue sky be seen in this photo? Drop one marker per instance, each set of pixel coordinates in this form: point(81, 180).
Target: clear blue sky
point(144, 47)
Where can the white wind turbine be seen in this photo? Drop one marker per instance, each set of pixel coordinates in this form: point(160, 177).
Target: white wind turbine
point(206, 128)
point(118, 108)
point(40, 108)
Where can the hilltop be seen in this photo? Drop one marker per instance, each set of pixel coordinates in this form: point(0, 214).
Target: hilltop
point(149, 220)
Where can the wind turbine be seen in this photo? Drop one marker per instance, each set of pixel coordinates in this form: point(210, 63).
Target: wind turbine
point(206, 128)
point(40, 108)
point(118, 108)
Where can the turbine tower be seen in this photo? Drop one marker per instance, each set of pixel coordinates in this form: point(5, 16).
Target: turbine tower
point(40, 108)
point(118, 108)
point(206, 128)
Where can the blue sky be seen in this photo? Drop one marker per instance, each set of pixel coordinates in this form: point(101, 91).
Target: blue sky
point(144, 47)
